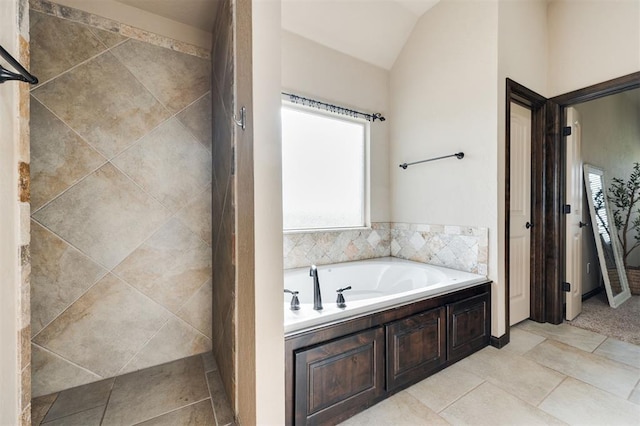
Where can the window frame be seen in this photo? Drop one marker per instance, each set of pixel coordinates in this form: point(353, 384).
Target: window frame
point(366, 178)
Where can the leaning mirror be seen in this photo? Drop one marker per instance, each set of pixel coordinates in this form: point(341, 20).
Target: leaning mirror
point(609, 253)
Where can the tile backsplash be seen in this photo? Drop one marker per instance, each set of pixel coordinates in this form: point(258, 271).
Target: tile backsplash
point(458, 247)
point(325, 247)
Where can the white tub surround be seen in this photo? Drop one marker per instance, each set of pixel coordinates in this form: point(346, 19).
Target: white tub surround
point(464, 248)
point(377, 284)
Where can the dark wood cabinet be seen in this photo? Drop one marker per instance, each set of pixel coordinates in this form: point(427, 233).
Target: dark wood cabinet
point(468, 325)
point(338, 370)
point(333, 377)
point(416, 346)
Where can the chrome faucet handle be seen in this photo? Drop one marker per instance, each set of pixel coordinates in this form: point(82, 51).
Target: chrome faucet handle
point(313, 270)
point(341, 302)
point(295, 302)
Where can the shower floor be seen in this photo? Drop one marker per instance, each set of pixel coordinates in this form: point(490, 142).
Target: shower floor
point(184, 392)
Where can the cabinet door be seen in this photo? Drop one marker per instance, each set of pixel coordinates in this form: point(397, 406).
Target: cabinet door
point(416, 346)
point(338, 378)
point(468, 325)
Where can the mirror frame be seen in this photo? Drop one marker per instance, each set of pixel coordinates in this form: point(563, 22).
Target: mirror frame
point(620, 298)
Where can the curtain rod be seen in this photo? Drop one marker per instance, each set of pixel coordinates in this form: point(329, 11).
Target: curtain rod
point(333, 108)
point(6, 75)
point(459, 155)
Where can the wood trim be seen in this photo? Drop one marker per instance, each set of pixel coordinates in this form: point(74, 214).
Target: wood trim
point(596, 91)
point(537, 103)
point(500, 342)
point(592, 293)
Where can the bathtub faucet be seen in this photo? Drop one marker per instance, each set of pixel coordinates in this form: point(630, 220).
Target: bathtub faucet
point(317, 299)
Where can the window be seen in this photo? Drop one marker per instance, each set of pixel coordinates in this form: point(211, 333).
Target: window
point(323, 169)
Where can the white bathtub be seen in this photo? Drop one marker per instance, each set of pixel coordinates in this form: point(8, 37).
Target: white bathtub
point(377, 284)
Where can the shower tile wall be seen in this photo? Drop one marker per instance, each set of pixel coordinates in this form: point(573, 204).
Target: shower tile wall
point(225, 202)
point(121, 204)
point(458, 247)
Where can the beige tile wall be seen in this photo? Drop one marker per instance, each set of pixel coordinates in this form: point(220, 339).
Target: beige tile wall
point(225, 275)
point(458, 247)
point(121, 184)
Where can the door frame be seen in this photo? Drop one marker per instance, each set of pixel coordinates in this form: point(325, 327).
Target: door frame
point(531, 100)
point(547, 192)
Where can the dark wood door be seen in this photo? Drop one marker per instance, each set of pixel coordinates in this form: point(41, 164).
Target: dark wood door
point(468, 326)
point(338, 378)
point(416, 346)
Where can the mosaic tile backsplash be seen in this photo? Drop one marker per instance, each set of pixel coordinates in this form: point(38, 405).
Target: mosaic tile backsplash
point(464, 248)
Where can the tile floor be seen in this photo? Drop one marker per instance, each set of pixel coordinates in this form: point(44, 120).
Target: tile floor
point(548, 374)
point(184, 392)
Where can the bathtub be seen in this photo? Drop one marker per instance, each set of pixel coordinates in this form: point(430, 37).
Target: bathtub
point(377, 284)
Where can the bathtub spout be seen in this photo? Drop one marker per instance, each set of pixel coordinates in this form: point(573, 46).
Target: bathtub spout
point(317, 298)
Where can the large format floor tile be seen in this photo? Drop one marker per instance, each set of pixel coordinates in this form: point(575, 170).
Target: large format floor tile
point(59, 157)
point(578, 403)
point(221, 407)
point(521, 341)
point(200, 413)
point(519, 376)
point(104, 103)
point(175, 78)
point(80, 399)
point(60, 274)
point(105, 328)
point(573, 336)
point(620, 351)
point(169, 164)
point(106, 216)
point(144, 395)
point(91, 417)
point(402, 409)
point(169, 267)
point(490, 405)
point(443, 388)
point(616, 378)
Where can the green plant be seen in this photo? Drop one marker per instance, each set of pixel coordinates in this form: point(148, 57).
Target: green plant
point(625, 198)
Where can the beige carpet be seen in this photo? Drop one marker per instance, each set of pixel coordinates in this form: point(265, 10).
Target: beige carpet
point(622, 323)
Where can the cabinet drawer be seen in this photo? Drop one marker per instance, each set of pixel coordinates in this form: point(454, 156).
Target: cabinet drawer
point(468, 326)
point(416, 346)
point(336, 377)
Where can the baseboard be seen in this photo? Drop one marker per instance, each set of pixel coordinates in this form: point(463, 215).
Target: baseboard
point(592, 293)
point(499, 342)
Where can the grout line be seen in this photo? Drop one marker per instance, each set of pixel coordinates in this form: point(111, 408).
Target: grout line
point(464, 394)
point(48, 409)
point(72, 363)
point(171, 411)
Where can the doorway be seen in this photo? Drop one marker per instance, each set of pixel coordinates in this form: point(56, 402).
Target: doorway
point(520, 214)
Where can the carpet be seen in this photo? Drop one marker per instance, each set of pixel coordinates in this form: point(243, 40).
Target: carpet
point(622, 323)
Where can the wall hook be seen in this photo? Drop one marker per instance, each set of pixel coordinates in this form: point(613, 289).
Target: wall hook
point(242, 122)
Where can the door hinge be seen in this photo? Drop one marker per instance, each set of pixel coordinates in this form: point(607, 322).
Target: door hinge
point(566, 209)
point(566, 131)
point(566, 287)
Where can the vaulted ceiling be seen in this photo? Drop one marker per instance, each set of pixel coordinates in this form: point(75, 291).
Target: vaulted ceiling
point(371, 30)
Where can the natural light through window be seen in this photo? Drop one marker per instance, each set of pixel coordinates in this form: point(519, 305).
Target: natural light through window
point(323, 170)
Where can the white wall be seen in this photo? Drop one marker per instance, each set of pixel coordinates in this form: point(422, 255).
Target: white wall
point(444, 95)
point(522, 57)
point(312, 70)
point(9, 225)
point(592, 41)
point(611, 138)
point(268, 214)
